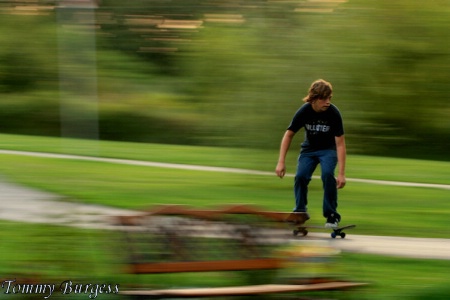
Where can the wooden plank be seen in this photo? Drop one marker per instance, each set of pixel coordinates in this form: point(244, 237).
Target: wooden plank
point(214, 214)
point(206, 266)
point(298, 218)
point(243, 290)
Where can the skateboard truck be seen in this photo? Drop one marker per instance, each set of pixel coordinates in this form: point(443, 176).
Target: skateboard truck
point(337, 231)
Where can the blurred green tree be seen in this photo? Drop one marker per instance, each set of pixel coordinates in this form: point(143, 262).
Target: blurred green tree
point(233, 72)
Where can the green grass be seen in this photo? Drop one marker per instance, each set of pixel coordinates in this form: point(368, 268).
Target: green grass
point(398, 278)
point(377, 209)
point(369, 167)
point(58, 253)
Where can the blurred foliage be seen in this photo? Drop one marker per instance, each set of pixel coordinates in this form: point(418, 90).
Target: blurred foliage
point(229, 72)
point(96, 256)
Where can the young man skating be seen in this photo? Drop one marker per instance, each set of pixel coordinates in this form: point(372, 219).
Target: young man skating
point(324, 144)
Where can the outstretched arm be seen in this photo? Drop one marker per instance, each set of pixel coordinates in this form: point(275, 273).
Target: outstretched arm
point(284, 147)
point(342, 155)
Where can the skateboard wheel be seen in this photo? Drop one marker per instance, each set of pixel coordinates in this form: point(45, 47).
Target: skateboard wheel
point(297, 231)
point(343, 235)
point(333, 235)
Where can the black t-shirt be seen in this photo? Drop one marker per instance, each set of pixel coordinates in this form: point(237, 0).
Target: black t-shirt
point(320, 128)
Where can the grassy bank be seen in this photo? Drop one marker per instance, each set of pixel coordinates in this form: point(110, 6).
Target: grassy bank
point(377, 209)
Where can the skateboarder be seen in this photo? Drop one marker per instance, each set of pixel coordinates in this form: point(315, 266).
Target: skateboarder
point(324, 144)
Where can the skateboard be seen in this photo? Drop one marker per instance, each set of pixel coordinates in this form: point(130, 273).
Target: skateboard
point(337, 231)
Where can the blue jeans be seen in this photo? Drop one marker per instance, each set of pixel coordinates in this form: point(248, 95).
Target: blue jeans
point(307, 163)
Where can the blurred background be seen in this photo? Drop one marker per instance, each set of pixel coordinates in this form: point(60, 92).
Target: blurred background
point(226, 72)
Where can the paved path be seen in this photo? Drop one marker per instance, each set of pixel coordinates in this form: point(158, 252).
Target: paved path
point(396, 246)
point(24, 204)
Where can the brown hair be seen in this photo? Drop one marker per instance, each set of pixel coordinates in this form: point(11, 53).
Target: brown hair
point(320, 89)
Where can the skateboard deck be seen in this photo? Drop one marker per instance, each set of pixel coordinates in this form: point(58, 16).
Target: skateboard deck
point(336, 231)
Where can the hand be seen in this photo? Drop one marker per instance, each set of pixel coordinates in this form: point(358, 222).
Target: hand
point(340, 181)
point(281, 169)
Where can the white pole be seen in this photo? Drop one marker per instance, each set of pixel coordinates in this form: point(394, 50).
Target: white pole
point(77, 68)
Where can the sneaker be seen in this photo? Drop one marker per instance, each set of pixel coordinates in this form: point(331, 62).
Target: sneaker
point(332, 222)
